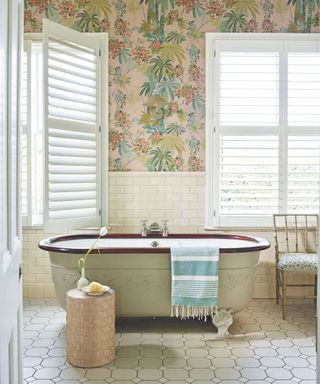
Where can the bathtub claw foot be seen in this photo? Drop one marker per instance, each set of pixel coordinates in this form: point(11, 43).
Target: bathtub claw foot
point(222, 320)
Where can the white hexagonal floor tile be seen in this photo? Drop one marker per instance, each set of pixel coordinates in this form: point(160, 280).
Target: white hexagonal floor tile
point(174, 362)
point(304, 373)
point(150, 374)
point(227, 373)
point(272, 362)
point(253, 373)
point(47, 373)
point(175, 374)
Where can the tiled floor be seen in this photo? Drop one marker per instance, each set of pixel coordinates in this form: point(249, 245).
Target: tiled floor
point(262, 349)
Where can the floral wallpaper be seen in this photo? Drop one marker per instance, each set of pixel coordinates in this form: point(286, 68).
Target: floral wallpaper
point(156, 47)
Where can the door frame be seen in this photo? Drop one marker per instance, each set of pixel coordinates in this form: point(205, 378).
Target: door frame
point(11, 32)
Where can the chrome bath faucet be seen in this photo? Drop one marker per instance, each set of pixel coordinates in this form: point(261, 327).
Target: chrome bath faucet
point(154, 228)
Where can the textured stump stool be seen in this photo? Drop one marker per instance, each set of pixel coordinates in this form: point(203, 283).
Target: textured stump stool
point(90, 329)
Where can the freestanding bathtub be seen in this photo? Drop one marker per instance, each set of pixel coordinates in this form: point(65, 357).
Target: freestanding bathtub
point(138, 268)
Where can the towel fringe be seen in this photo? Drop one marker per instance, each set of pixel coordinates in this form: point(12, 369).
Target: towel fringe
point(186, 311)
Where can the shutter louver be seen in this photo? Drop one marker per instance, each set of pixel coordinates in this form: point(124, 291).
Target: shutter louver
point(303, 174)
point(72, 127)
point(248, 89)
point(249, 180)
point(304, 89)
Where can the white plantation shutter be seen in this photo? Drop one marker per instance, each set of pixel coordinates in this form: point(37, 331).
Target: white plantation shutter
point(73, 122)
point(303, 173)
point(263, 126)
point(303, 141)
point(304, 89)
point(248, 89)
point(249, 180)
point(246, 123)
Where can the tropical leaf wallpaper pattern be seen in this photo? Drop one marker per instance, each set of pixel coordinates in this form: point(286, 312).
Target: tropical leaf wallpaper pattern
point(157, 47)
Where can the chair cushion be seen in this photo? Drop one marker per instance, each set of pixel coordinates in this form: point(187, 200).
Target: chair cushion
point(298, 262)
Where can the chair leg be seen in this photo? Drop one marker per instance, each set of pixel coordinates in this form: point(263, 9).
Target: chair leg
point(315, 289)
point(284, 293)
point(277, 285)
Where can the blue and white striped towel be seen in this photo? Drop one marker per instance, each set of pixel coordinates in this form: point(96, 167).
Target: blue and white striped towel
point(194, 276)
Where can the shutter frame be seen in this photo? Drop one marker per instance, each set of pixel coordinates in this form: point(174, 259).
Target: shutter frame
point(82, 212)
point(284, 44)
point(239, 204)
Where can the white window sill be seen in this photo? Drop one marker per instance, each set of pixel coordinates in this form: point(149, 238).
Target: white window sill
point(228, 229)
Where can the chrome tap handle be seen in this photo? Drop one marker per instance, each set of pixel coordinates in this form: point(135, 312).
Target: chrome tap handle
point(144, 228)
point(165, 230)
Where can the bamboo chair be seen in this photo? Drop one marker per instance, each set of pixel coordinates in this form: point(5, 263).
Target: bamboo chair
point(296, 241)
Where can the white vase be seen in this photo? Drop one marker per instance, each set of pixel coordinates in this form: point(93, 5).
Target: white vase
point(83, 281)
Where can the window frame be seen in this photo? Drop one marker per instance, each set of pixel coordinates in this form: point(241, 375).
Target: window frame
point(213, 219)
point(28, 39)
point(27, 221)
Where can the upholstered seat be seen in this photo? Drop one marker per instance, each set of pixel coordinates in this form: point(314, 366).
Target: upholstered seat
point(298, 262)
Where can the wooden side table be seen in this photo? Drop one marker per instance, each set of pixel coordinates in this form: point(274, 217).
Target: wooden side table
point(90, 329)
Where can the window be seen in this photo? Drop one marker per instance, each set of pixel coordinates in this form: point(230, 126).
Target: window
point(263, 127)
point(64, 103)
point(32, 134)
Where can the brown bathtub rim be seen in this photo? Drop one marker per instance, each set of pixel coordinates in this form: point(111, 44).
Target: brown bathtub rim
point(48, 244)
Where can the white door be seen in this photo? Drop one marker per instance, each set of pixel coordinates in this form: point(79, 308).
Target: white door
point(10, 285)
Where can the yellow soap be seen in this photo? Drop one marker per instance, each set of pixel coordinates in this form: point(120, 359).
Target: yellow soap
point(95, 287)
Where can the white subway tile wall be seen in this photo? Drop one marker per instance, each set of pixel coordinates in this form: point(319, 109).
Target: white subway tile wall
point(178, 197)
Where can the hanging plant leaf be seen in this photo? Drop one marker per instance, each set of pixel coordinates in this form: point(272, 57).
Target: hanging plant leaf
point(198, 10)
point(124, 55)
point(87, 22)
point(123, 147)
point(175, 129)
point(101, 7)
point(172, 52)
point(161, 160)
point(197, 102)
point(145, 28)
point(117, 164)
point(162, 68)
point(151, 128)
point(171, 143)
point(175, 37)
point(167, 89)
point(148, 87)
point(235, 22)
point(246, 7)
point(51, 12)
point(182, 24)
